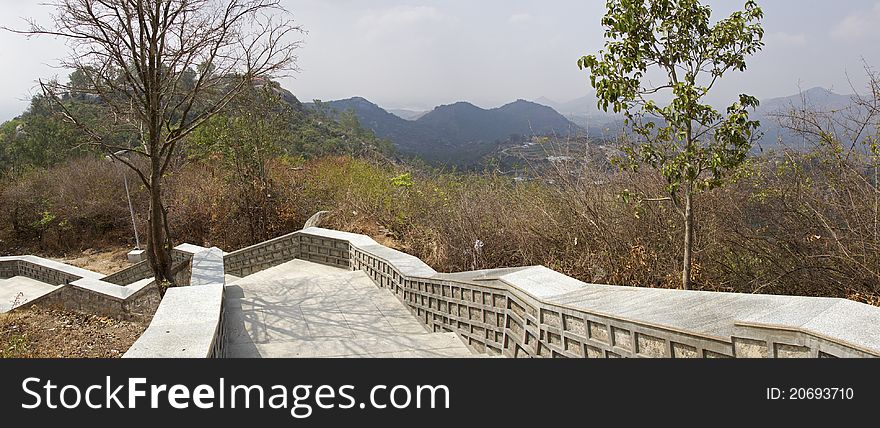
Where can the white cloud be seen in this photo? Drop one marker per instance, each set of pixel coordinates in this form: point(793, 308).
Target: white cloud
point(858, 26)
point(785, 39)
point(520, 18)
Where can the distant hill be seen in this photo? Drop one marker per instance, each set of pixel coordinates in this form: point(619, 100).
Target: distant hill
point(465, 122)
point(459, 134)
point(600, 125)
point(583, 106)
point(584, 112)
point(818, 98)
point(775, 135)
point(462, 134)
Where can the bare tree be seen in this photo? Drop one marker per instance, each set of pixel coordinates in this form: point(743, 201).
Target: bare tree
point(161, 68)
point(846, 141)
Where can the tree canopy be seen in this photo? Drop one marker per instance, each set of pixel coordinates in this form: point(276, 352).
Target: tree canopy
point(693, 145)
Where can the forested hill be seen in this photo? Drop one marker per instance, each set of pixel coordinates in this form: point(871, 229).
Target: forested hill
point(41, 137)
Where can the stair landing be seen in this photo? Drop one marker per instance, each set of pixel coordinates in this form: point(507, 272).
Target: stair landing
point(307, 310)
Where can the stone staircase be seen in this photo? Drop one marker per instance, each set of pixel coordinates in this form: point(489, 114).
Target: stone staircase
point(307, 310)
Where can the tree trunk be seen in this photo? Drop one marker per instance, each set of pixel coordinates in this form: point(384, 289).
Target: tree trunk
point(158, 248)
point(688, 239)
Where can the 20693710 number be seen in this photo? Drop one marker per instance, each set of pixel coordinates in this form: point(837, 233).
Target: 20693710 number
point(820, 393)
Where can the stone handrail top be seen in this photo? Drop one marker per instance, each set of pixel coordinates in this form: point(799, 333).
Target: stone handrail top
point(120, 292)
point(844, 321)
point(708, 314)
point(56, 265)
point(187, 322)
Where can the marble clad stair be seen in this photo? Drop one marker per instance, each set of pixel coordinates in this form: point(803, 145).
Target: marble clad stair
point(308, 310)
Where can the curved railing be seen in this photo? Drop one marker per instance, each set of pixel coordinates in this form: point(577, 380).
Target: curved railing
point(537, 312)
point(516, 312)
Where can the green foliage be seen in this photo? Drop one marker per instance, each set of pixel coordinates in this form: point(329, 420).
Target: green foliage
point(262, 123)
point(46, 219)
point(38, 138)
point(323, 131)
point(687, 140)
point(404, 180)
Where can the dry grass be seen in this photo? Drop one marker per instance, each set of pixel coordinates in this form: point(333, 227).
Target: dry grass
point(50, 333)
point(105, 261)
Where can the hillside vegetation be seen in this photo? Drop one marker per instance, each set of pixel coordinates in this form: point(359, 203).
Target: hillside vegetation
point(793, 224)
point(788, 222)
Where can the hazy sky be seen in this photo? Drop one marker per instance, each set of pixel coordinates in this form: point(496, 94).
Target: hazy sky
point(418, 54)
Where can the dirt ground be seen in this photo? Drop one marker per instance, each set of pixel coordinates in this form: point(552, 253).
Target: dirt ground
point(104, 261)
point(49, 333)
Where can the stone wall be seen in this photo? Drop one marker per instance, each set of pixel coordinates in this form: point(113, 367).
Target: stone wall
point(516, 312)
point(130, 294)
point(180, 257)
point(262, 256)
point(8, 268)
point(536, 312)
point(131, 274)
point(139, 305)
point(43, 270)
point(188, 322)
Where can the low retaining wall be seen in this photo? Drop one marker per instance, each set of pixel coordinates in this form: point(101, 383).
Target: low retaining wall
point(180, 258)
point(189, 321)
point(43, 270)
point(83, 290)
point(135, 302)
point(516, 312)
point(262, 256)
point(130, 294)
point(537, 312)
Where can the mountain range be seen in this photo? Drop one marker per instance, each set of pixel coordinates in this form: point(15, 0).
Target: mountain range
point(458, 134)
point(774, 135)
point(462, 134)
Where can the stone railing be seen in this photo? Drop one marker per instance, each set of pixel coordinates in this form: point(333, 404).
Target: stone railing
point(83, 290)
point(516, 312)
point(181, 256)
point(537, 312)
point(128, 294)
point(262, 256)
point(188, 322)
point(43, 270)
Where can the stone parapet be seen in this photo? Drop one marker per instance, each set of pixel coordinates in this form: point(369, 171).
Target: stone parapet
point(516, 312)
point(537, 312)
point(262, 256)
point(188, 322)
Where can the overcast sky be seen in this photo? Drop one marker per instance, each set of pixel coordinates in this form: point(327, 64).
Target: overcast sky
point(418, 54)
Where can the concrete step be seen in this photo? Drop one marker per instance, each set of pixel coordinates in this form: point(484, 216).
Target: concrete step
point(437, 345)
point(296, 269)
point(304, 309)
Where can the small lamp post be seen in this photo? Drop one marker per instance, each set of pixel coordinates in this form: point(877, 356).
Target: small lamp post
point(137, 254)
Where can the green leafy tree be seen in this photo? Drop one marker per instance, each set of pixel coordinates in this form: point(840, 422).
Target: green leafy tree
point(330, 132)
point(253, 130)
point(693, 145)
point(38, 138)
